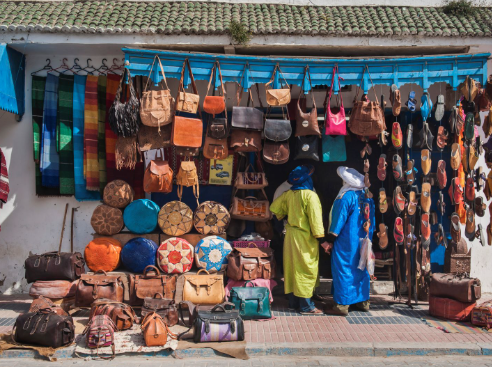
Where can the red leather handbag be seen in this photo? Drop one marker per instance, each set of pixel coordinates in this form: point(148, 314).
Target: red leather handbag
point(215, 104)
point(335, 123)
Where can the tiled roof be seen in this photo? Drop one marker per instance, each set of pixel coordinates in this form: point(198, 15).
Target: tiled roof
point(214, 18)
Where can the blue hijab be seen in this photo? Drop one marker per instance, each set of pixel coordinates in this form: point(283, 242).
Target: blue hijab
point(300, 178)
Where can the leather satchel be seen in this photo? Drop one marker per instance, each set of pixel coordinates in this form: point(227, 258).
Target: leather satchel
point(44, 328)
point(99, 285)
point(251, 263)
point(335, 123)
point(43, 303)
point(165, 308)
point(307, 147)
point(151, 138)
point(215, 148)
point(277, 130)
point(250, 180)
point(187, 102)
point(215, 104)
point(252, 302)
point(120, 313)
point(156, 106)
point(147, 285)
point(217, 128)
point(54, 266)
point(158, 176)
point(188, 176)
point(251, 208)
point(277, 97)
point(187, 132)
point(276, 153)
point(247, 117)
point(204, 289)
point(455, 287)
point(246, 140)
point(155, 330)
point(218, 325)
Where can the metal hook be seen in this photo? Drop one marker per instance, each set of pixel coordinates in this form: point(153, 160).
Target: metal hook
point(104, 62)
point(88, 63)
point(64, 62)
point(76, 62)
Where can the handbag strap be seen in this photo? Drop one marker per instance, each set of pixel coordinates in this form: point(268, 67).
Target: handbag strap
point(339, 95)
point(360, 87)
point(306, 72)
point(186, 64)
point(277, 67)
point(150, 73)
point(126, 74)
point(240, 89)
point(216, 69)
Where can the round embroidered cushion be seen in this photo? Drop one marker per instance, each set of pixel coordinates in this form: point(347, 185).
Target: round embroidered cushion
point(141, 216)
point(211, 218)
point(175, 218)
point(138, 253)
point(118, 194)
point(175, 256)
point(103, 253)
point(211, 253)
point(107, 220)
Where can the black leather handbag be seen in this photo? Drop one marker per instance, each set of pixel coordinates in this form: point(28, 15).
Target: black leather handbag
point(45, 328)
point(218, 325)
point(217, 128)
point(307, 147)
point(246, 117)
point(277, 130)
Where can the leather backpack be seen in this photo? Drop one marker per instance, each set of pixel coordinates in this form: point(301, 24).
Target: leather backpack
point(277, 97)
point(158, 176)
point(147, 285)
point(251, 263)
point(99, 285)
point(165, 308)
point(120, 313)
point(215, 104)
point(307, 147)
point(99, 333)
point(187, 176)
point(45, 328)
point(252, 302)
point(155, 330)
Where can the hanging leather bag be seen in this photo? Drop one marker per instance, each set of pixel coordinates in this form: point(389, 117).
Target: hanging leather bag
point(246, 140)
point(215, 148)
point(459, 288)
point(218, 325)
point(156, 106)
point(251, 263)
point(54, 266)
point(204, 289)
point(367, 117)
point(277, 97)
point(99, 333)
point(188, 176)
point(147, 285)
point(120, 313)
point(45, 328)
point(335, 123)
point(307, 147)
point(277, 130)
point(165, 308)
point(248, 118)
point(276, 153)
point(251, 208)
point(307, 123)
point(187, 102)
point(150, 138)
point(215, 104)
point(155, 330)
point(252, 302)
point(158, 176)
point(124, 117)
point(250, 180)
point(99, 285)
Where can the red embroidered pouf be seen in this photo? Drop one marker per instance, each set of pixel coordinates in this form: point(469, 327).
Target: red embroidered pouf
point(175, 256)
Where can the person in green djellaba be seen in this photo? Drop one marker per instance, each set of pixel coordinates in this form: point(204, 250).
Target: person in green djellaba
point(304, 234)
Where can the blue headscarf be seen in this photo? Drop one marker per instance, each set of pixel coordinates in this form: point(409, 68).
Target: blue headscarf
point(300, 178)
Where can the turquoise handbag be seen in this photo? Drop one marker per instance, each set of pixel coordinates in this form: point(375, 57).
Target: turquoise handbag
point(333, 148)
point(252, 302)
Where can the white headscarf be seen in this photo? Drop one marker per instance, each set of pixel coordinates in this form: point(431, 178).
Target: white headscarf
point(352, 180)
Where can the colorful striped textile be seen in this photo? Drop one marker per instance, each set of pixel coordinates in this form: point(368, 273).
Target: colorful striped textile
point(455, 326)
point(49, 159)
point(112, 83)
point(101, 122)
point(81, 193)
point(65, 127)
point(91, 132)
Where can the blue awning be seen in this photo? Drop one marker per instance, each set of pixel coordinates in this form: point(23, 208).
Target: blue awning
point(12, 78)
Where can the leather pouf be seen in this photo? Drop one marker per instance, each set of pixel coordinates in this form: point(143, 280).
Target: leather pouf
point(141, 216)
point(103, 254)
point(107, 220)
point(175, 218)
point(211, 218)
point(118, 194)
point(175, 256)
point(211, 253)
point(138, 253)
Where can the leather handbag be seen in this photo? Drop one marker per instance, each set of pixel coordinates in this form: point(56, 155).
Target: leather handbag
point(277, 130)
point(307, 123)
point(156, 106)
point(217, 128)
point(246, 140)
point(53, 289)
point(99, 333)
point(158, 176)
point(155, 330)
point(45, 328)
point(252, 302)
point(165, 308)
point(333, 148)
point(187, 151)
point(307, 147)
point(250, 180)
point(106, 220)
point(147, 285)
point(175, 218)
point(92, 287)
point(335, 123)
point(215, 104)
point(204, 289)
point(211, 218)
point(43, 303)
point(120, 313)
point(187, 176)
point(367, 117)
point(455, 287)
point(251, 263)
point(187, 132)
point(215, 148)
point(187, 102)
point(151, 138)
point(277, 97)
point(218, 325)
point(54, 266)
point(251, 208)
point(276, 153)
point(482, 315)
point(248, 118)
point(449, 309)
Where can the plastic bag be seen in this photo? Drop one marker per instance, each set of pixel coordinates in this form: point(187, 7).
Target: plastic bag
point(367, 259)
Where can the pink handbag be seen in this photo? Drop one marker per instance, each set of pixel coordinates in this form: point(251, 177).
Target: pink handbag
point(335, 122)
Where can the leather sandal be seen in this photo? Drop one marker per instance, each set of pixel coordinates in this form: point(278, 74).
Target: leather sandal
point(425, 231)
point(383, 201)
point(395, 99)
point(439, 114)
point(442, 138)
point(452, 119)
point(455, 156)
point(367, 183)
point(398, 201)
point(409, 237)
point(470, 189)
point(366, 165)
point(480, 206)
point(480, 178)
point(470, 227)
point(455, 228)
point(441, 205)
point(410, 173)
point(397, 168)
point(469, 126)
point(440, 237)
point(472, 157)
point(442, 178)
point(425, 106)
point(433, 218)
point(409, 136)
point(425, 197)
point(383, 138)
point(412, 102)
point(383, 236)
point(426, 161)
point(412, 202)
point(382, 165)
point(398, 231)
point(489, 234)
point(396, 136)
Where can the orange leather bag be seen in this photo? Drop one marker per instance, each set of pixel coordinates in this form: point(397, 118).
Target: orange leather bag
point(215, 104)
point(155, 330)
point(158, 176)
point(215, 148)
point(103, 253)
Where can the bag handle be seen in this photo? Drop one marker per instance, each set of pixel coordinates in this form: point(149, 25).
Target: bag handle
point(277, 67)
point(186, 64)
point(306, 72)
point(101, 271)
point(126, 74)
point(144, 273)
point(199, 271)
point(217, 307)
point(158, 294)
point(252, 243)
point(150, 73)
point(372, 84)
point(249, 282)
point(339, 95)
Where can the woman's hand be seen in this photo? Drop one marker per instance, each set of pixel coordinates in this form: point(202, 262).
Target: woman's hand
point(327, 247)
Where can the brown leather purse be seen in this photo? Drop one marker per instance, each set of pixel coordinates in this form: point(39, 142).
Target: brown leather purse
point(158, 176)
point(277, 97)
point(452, 286)
point(246, 140)
point(276, 152)
point(99, 285)
point(150, 138)
point(250, 208)
point(251, 263)
point(155, 330)
point(215, 104)
point(122, 315)
point(165, 308)
point(204, 289)
point(187, 102)
point(146, 285)
point(215, 148)
point(306, 123)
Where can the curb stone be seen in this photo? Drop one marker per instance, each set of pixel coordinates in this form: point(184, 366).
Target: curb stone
point(426, 349)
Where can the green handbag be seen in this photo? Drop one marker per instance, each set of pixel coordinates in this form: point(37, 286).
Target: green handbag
point(252, 302)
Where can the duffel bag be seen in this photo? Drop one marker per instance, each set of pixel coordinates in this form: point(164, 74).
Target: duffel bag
point(54, 266)
point(461, 289)
point(218, 325)
point(165, 308)
point(120, 313)
point(450, 309)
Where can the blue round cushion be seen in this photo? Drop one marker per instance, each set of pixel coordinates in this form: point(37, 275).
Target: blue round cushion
point(211, 253)
point(138, 253)
point(141, 216)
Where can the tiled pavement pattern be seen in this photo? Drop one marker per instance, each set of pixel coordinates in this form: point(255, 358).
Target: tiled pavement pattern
point(186, 17)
